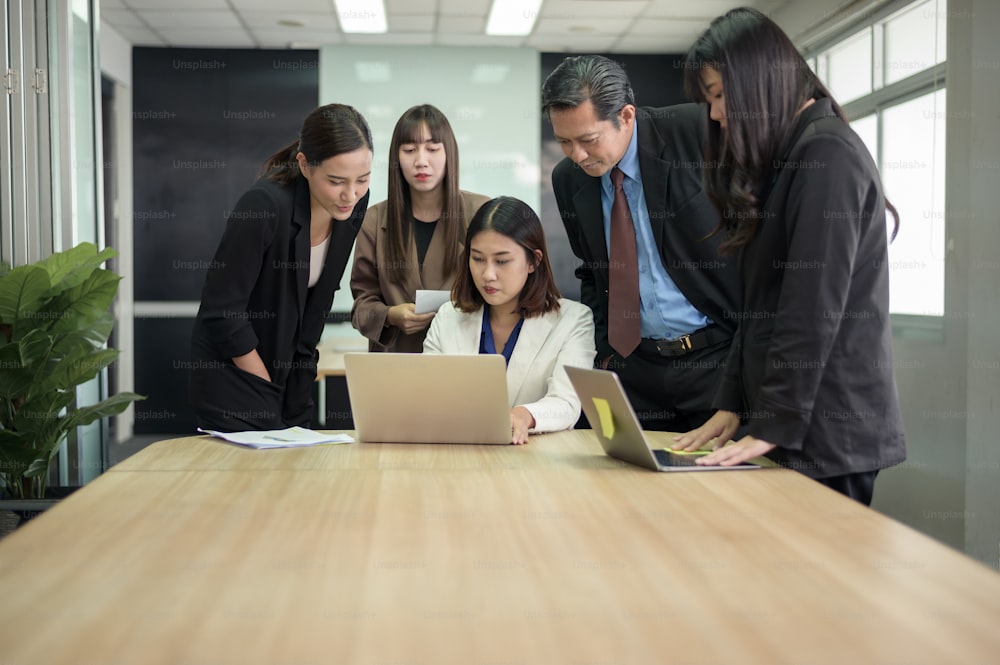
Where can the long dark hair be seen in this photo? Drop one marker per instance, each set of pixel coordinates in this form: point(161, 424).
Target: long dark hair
point(766, 81)
point(516, 220)
point(328, 131)
point(400, 251)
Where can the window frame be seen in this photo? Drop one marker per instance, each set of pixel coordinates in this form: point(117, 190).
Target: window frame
point(923, 327)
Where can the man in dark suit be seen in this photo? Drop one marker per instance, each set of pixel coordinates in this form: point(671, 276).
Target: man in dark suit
point(672, 362)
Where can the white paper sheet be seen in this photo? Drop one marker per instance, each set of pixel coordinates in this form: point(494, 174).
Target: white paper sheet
point(429, 301)
point(293, 437)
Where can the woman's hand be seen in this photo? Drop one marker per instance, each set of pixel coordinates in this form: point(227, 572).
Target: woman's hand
point(521, 421)
point(721, 427)
point(406, 319)
point(746, 448)
point(252, 363)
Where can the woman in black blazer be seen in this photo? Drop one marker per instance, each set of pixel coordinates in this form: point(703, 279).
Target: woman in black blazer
point(271, 283)
point(810, 369)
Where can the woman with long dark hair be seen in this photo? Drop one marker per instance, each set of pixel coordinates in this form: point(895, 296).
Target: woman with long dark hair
point(505, 300)
point(800, 200)
point(268, 289)
point(413, 239)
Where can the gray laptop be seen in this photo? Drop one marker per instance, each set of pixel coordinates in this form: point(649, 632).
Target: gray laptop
point(427, 398)
point(614, 422)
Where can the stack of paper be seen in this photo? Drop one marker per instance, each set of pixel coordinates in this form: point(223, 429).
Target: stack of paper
point(293, 437)
point(430, 301)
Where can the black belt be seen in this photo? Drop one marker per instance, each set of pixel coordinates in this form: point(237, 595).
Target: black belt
point(699, 339)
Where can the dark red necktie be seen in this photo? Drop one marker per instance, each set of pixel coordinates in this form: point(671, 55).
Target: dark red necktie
point(623, 275)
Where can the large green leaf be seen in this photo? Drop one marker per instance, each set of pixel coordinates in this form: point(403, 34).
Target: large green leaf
point(40, 416)
point(82, 305)
point(71, 372)
point(72, 267)
point(38, 355)
point(99, 330)
point(22, 293)
point(10, 441)
point(10, 357)
point(16, 457)
point(112, 406)
point(79, 342)
point(15, 379)
point(35, 348)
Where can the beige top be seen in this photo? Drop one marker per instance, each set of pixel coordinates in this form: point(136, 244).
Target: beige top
point(374, 294)
point(317, 257)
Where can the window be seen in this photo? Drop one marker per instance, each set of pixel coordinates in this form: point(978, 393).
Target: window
point(889, 77)
point(914, 40)
point(849, 67)
point(912, 167)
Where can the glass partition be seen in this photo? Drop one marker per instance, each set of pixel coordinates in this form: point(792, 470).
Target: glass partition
point(76, 188)
point(490, 96)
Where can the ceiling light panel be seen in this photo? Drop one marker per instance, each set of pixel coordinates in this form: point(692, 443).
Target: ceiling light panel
point(361, 16)
point(512, 17)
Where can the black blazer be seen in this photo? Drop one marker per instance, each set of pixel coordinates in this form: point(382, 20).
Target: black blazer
point(680, 214)
point(256, 296)
point(812, 361)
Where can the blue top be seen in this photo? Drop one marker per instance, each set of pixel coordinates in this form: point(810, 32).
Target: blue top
point(486, 343)
point(665, 312)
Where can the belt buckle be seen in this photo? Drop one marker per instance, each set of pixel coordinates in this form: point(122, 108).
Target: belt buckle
point(685, 341)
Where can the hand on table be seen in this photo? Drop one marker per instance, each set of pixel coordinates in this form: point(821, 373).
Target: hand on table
point(721, 427)
point(521, 421)
point(746, 448)
point(252, 363)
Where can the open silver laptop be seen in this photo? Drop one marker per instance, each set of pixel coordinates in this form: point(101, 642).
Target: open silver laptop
point(614, 422)
point(428, 398)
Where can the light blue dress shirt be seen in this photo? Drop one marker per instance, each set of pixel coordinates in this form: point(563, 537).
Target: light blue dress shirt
point(665, 312)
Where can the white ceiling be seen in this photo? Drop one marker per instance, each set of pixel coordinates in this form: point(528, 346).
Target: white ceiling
point(592, 26)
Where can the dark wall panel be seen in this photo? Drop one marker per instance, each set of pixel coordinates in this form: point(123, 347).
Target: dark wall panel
point(204, 121)
point(162, 362)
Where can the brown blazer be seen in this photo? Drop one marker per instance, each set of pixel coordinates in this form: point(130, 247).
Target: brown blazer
point(374, 294)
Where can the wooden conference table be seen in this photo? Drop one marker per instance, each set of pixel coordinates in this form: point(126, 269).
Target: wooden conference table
point(195, 551)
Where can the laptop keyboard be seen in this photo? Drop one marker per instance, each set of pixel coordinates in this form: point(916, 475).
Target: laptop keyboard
point(666, 459)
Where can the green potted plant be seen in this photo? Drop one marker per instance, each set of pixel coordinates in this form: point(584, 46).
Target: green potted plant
point(55, 320)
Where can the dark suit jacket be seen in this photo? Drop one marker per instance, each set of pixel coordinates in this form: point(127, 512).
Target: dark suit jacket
point(256, 296)
point(681, 216)
point(812, 361)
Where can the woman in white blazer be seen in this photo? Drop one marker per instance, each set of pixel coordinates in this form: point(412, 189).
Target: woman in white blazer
point(507, 302)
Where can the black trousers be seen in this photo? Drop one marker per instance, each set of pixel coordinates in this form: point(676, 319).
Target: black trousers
point(672, 393)
point(857, 486)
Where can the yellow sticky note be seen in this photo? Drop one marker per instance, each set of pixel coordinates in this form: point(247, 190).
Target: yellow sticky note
point(604, 414)
point(688, 452)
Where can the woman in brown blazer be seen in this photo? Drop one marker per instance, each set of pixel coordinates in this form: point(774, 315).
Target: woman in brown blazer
point(413, 239)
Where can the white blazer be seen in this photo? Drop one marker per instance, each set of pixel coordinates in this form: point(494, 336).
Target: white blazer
point(536, 379)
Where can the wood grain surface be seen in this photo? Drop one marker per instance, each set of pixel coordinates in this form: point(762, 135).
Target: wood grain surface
point(196, 551)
